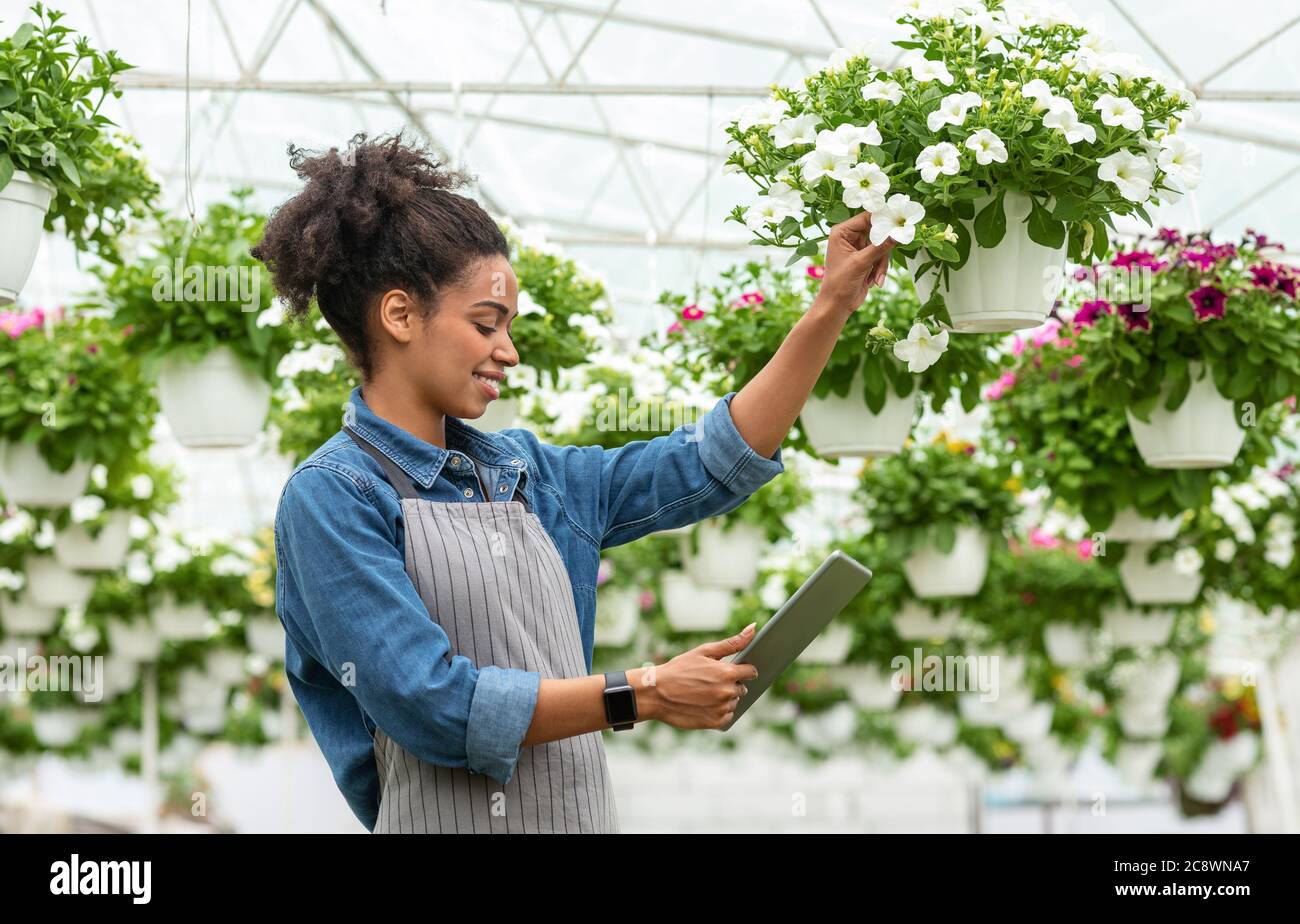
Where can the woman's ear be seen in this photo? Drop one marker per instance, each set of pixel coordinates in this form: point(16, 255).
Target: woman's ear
point(398, 315)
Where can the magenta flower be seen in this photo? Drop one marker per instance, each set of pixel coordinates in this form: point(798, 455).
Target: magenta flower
point(692, 312)
point(647, 600)
point(816, 271)
point(1084, 548)
point(1208, 302)
point(1138, 258)
point(1170, 236)
point(751, 298)
point(92, 348)
point(1135, 319)
point(1286, 282)
point(1075, 361)
point(1201, 259)
point(1085, 273)
point(1264, 275)
point(676, 328)
point(1089, 311)
point(72, 380)
point(1042, 539)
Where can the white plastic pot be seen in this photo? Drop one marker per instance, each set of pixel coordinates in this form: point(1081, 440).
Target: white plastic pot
point(844, 427)
point(914, 622)
point(23, 204)
point(1202, 433)
point(1150, 680)
point(1034, 724)
point(180, 622)
point(868, 686)
point(1136, 760)
point(138, 640)
point(825, 731)
point(265, 636)
point(74, 547)
point(119, 675)
point(1008, 287)
point(24, 616)
point(618, 610)
point(1137, 628)
point(926, 725)
point(51, 584)
point(959, 573)
point(225, 666)
point(500, 414)
point(1160, 582)
point(1143, 718)
point(214, 402)
point(1130, 526)
point(27, 480)
point(830, 647)
point(125, 742)
point(1011, 700)
point(692, 608)
point(1068, 645)
point(57, 728)
point(726, 558)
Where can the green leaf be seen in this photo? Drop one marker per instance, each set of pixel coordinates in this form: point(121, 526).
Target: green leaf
point(23, 35)
point(945, 536)
point(7, 95)
point(1179, 387)
point(69, 169)
point(6, 170)
point(991, 223)
point(944, 250)
point(1043, 229)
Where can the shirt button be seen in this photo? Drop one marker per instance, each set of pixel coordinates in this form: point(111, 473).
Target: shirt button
point(501, 490)
point(469, 492)
point(516, 461)
point(455, 461)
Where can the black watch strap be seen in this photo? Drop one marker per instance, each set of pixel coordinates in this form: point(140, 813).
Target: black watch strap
point(620, 701)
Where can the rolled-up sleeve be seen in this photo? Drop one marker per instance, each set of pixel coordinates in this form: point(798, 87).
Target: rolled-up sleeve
point(360, 616)
point(699, 470)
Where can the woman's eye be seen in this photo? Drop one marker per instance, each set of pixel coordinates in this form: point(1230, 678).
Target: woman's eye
point(485, 330)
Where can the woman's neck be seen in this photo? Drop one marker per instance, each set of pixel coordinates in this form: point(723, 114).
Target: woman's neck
point(401, 408)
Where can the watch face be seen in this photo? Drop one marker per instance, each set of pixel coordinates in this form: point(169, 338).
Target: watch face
point(620, 706)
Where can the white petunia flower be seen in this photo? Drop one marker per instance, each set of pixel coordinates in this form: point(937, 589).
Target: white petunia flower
point(883, 89)
point(137, 568)
point(141, 487)
point(921, 349)
point(228, 565)
point(99, 476)
point(1062, 117)
point(898, 219)
point(769, 210)
point(865, 186)
point(767, 112)
point(17, 526)
point(11, 580)
point(1180, 160)
point(528, 305)
point(1038, 90)
point(86, 508)
point(987, 146)
point(799, 130)
point(1188, 561)
point(1131, 173)
point(819, 163)
point(1225, 550)
point(952, 110)
point(840, 57)
point(1119, 110)
point(938, 158)
point(924, 70)
point(319, 357)
point(846, 139)
point(271, 317)
point(45, 535)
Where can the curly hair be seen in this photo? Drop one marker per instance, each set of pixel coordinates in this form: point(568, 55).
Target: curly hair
point(379, 216)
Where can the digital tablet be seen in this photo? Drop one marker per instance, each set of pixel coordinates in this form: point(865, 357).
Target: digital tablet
point(800, 620)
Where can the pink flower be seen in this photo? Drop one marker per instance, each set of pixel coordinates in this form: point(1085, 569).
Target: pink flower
point(1169, 236)
point(92, 348)
point(676, 327)
point(1017, 345)
point(1208, 302)
point(1075, 361)
point(1000, 387)
point(72, 380)
point(751, 298)
point(1135, 319)
point(692, 312)
point(1264, 275)
point(1089, 311)
point(1138, 258)
point(647, 600)
point(816, 271)
point(1047, 333)
point(604, 572)
point(1084, 548)
point(1042, 539)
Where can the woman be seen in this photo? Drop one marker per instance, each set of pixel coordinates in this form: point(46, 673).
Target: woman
point(437, 583)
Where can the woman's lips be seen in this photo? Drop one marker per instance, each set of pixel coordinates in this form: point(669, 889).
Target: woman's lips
point(489, 388)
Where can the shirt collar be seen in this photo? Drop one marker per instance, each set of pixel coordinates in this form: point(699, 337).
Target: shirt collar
point(423, 461)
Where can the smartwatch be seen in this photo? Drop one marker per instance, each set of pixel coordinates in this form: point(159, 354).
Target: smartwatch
point(620, 701)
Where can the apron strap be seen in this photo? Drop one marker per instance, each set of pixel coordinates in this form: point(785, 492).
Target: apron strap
point(396, 477)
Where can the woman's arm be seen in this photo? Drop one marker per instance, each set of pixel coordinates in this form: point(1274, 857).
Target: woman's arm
point(767, 407)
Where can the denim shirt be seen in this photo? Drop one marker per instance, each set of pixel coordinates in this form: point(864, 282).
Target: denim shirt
point(361, 650)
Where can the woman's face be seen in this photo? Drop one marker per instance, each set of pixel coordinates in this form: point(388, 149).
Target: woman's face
point(458, 359)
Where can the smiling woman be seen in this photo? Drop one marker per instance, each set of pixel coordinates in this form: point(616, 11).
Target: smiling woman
point(464, 630)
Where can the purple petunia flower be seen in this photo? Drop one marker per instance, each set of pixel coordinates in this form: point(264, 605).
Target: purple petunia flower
point(1135, 319)
point(1170, 236)
point(1088, 312)
point(1264, 275)
point(1208, 302)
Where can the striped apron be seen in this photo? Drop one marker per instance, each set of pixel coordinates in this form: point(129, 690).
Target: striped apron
point(492, 578)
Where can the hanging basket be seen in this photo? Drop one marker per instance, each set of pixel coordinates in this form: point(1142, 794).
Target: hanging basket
point(74, 547)
point(23, 616)
point(58, 728)
point(216, 402)
point(1136, 760)
point(1008, 287)
point(1158, 582)
point(51, 584)
point(914, 622)
point(844, 427)
point(726, 559)
point(225, 666)
point(1033, 724)
point(137, 640)
point(180, 622)
point(926, 725)
point(959, 573)
point(1143, 718)
point(868, 686)
point(1136, 628)
point(830, 647)
point(692, 608)
point(1068, 645)
point(1202, 433)
point(618, 611)
point(1130, 526)
point(265, 636)
point(27, 480)
point(23, 204)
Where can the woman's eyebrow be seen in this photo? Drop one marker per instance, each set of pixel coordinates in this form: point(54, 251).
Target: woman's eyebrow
point(489, 303)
